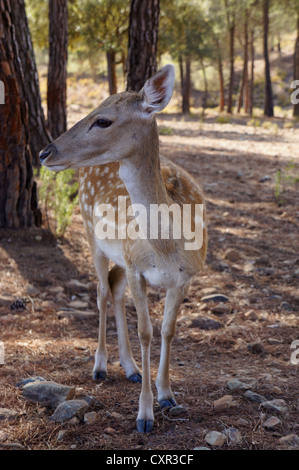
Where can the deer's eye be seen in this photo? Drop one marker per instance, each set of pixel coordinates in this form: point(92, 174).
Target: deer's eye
point(103, 123)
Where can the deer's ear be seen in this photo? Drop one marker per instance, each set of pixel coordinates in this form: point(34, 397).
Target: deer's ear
point(158, 90)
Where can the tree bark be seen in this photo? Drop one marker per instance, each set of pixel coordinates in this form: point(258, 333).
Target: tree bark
point(39, 136)
point(221, 79)
point(244, 91)
point(112, 80)
point(17, 191)
point(185, 75)
point(251, 84)
point(57, 72)
point(268, 98)
point(232, 68)
point(143, 42)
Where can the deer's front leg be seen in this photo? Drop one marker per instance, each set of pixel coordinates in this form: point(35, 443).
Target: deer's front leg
point(174, 298)
point(145, 418)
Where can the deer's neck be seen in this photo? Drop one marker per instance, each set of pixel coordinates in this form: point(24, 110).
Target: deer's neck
point(141, 172)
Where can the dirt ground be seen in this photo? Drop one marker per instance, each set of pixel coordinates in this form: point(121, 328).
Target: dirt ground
point(253, 259)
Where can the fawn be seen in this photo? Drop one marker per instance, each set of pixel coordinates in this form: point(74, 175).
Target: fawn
point(116, 149)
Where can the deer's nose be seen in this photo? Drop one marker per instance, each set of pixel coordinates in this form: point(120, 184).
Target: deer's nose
point(46, 152)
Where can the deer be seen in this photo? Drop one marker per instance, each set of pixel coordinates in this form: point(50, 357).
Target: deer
point(116, 150)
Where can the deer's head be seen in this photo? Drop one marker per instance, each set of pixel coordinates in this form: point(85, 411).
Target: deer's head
point(115, 130)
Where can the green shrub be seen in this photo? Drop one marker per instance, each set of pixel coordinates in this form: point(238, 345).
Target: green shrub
point(58, 193)
point(288, 177)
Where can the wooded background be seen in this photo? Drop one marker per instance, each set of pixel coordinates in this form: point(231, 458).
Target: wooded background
point(214, 44)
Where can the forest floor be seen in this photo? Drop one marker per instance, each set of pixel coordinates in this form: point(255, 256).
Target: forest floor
point(253, 259)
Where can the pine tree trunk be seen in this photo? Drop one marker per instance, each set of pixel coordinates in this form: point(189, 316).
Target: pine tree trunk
point(57, 72)
point(221, 79)
point(232, 68)
point(39, 136)
point(268, 98)
point(206, 89)
point(244, 92)
point(296, 67)
point(17, 197)
point(185, 74)
point(111, 65)
point(143, 41)
point(251, 83)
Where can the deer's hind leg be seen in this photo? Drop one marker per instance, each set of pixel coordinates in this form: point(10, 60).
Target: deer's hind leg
point(100, 365)
point(118, 284)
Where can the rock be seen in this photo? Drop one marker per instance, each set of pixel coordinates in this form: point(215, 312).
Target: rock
point(256, 348)
point(31, 290)
point(76, 284)
point(227, 401)
point(75, 314)
point(285, 306)
point(232, 255)
point(90, 418)
point(233, 435)
point(30, 380)
point(272, 423)
point(61, 434)
point(291, 439)
point(109, 430)
point(215, 438)
point(265, 178)
point(274, 341)
point(70, 409)
point(201, 448)
point(77, 304)
point(116, 415)
point(93, 402)
point(250, 315)
point(215, 298)
point(278, 405)
point(177, 410)
point(7, 414)
point(235, 384)
point(220, 309)
point(252, 396)
point(56, 290)
point(48, 394)
point(206, 324)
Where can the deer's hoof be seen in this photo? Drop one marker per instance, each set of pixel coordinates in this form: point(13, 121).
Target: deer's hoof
point(145, 425)
point(135, 378)
point(99, 375)
point(167, 403)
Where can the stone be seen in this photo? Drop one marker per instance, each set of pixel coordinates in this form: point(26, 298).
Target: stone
point(77, 304)
point(291, 439)
point(285, 306)
point(235, 384)
point(278, 405)
point(56, 290)
point(215, 298)
point(90, 418)
point(250, 315)
point(252, 396)
point(215, 438)
point(206, 324)
point(70, 409)
point(24, 382)
point(220, 309)
point(7, 414)
point(75, 283)
point(201, 448)
point(233, 435)
point(177, 410)
point(227, 401)
point(256, 348)
point(31, 290)
point(75, 314)
point(232, 255)
point(272, 423)
point(48, 394)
